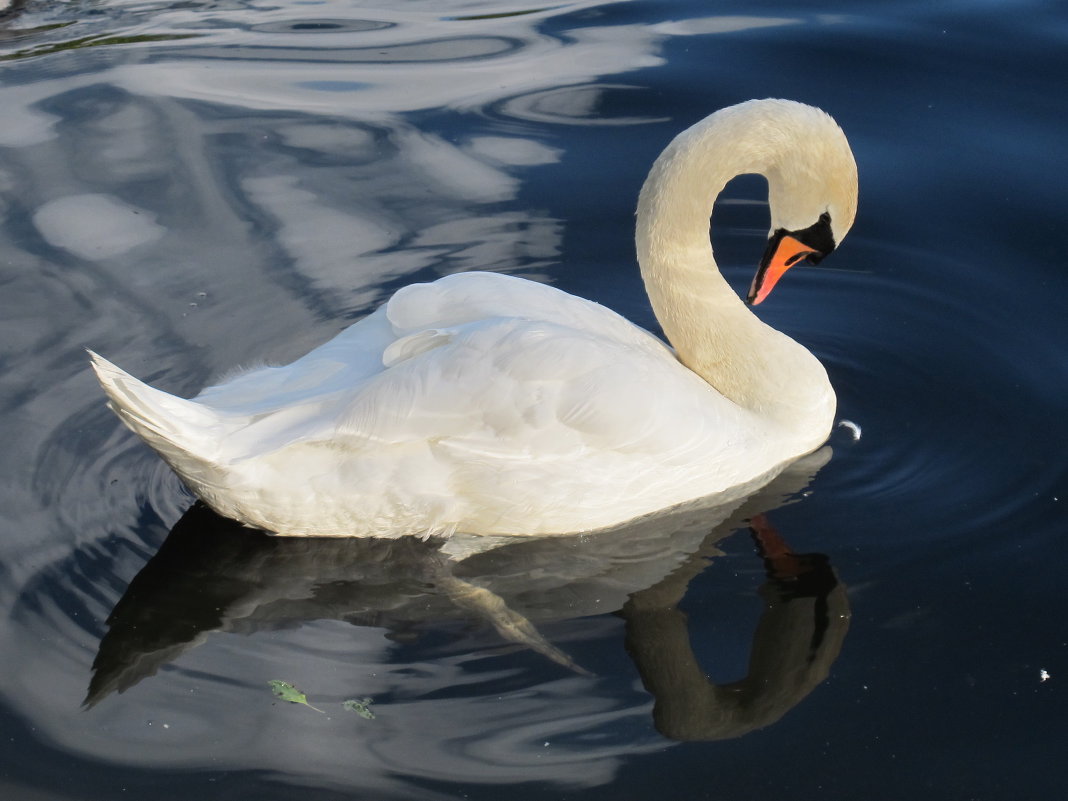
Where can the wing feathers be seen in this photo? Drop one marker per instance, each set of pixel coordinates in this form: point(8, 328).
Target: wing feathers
point(456, 404)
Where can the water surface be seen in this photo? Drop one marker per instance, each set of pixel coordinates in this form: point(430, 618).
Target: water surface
point(189, 187)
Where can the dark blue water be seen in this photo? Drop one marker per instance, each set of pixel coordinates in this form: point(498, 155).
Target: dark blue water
point(186, 187)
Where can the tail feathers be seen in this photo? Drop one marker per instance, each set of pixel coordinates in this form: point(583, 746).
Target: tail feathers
point(184, 432)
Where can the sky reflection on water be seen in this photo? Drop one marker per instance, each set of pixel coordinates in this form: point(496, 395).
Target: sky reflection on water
point(190, 187)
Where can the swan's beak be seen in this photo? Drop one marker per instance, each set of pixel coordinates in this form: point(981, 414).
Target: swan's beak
point(782, 254)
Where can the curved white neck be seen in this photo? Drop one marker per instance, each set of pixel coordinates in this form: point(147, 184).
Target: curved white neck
point(712, 330)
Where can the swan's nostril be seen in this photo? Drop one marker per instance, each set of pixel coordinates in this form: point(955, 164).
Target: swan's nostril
point(796, 259)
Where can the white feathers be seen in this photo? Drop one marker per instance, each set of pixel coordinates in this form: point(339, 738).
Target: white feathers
point(488, 404)
point(415, 344)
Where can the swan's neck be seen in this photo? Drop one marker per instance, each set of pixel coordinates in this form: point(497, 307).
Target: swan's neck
point(712, 330)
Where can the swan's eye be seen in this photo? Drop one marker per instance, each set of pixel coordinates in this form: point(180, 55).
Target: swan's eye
point(818, 238)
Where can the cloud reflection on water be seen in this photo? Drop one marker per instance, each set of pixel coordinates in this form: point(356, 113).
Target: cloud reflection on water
point(273, 209)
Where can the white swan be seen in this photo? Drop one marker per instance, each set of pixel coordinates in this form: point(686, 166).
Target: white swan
point(489, 404)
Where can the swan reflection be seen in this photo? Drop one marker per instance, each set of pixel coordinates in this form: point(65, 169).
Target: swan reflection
point(213, 575)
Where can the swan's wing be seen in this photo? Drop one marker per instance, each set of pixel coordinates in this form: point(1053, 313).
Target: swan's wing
point(518, 386)
point(408, 323)
point(481, 367)
point(510, 424)
point(506, 366)
point(340, 364)
point(469, 297)
point(418, 318)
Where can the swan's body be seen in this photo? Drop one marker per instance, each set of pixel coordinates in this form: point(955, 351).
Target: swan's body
point(494, 405)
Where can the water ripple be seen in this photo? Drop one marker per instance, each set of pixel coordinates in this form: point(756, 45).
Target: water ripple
point(305, 25)
point(889, 341)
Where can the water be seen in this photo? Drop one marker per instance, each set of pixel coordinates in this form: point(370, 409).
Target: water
point(187, 187)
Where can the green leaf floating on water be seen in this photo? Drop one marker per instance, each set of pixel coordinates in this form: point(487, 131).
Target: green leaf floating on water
point(361, 707)
point(287, 692)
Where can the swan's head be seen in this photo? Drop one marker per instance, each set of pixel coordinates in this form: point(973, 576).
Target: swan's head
point(812, 190)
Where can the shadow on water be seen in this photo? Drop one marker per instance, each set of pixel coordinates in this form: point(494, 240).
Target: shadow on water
point(191, 186)
point(211, 575)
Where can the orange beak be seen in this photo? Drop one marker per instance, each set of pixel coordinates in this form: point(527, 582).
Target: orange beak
point(788, 252)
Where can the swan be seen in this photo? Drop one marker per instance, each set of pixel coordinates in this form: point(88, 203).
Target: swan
point(492, 405)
